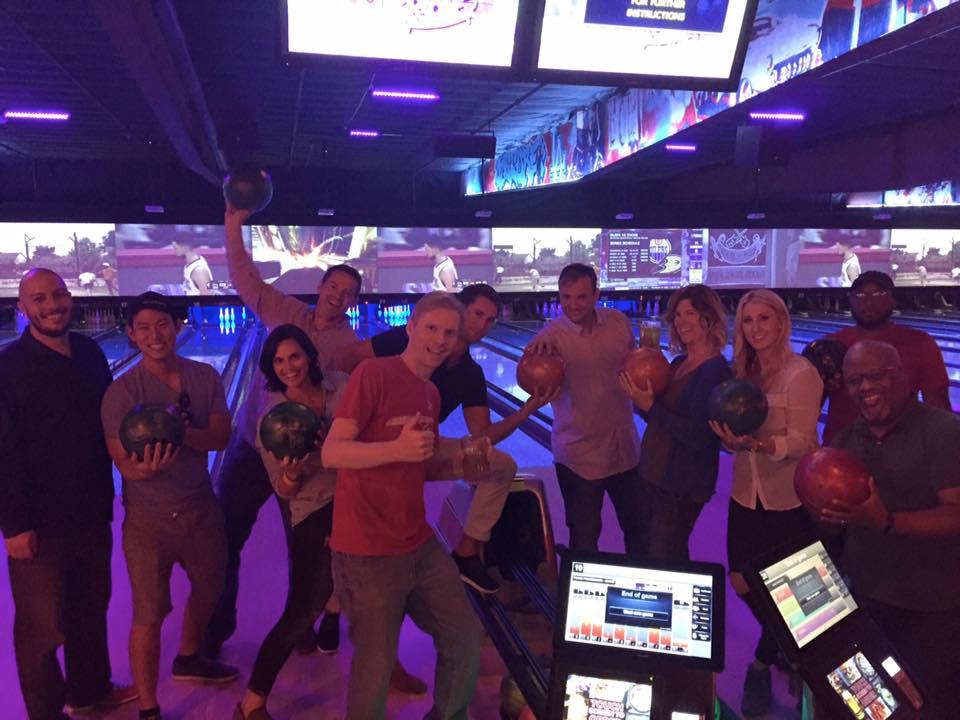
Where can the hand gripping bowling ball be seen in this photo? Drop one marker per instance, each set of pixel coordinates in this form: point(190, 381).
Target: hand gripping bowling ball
point(829, 474)
point(827, 357)
point(540, 373)
point(739, 404)
point(290, 430)
point(149, 424)
point(648, 364)
point(248, 188)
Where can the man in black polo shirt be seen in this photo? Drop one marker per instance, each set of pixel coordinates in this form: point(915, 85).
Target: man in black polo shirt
point(461, 382)
point(56, 486)
point(903, 544)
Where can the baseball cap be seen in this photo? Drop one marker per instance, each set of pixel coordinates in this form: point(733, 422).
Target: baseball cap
point(153, 301)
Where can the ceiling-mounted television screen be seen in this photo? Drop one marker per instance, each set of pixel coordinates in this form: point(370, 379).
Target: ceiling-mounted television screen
point(458, 32)
point(697, 44)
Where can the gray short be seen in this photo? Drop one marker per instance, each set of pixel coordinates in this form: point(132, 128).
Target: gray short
point(153, 543)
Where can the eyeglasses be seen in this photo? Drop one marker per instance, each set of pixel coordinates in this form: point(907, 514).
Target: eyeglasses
point(874, 376)
point(875, 295)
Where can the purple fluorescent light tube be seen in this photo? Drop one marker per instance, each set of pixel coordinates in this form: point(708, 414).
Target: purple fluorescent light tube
point(416, 95)
point(756, 216)
point(680, 147)
point(365, 133)
point(779, 116)
point(45, 115)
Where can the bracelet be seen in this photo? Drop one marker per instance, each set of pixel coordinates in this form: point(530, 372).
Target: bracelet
point(888, 525)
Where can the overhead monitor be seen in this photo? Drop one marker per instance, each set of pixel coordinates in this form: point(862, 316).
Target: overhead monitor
point(809, 593)
point(478, 33)
point(663, 43)
point(667, 610)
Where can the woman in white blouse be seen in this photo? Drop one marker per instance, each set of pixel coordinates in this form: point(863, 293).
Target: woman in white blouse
point(764, 509)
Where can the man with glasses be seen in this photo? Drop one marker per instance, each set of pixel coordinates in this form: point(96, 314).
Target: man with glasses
point(872, 304)
point(902, 545)
point(172, 516)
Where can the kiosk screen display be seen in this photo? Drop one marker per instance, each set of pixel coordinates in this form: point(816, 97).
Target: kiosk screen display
point(652, 610)
point(808, 592)
point(862, 689)
point(593, 698)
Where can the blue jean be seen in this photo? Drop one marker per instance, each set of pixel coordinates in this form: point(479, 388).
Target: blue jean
point(376, 593)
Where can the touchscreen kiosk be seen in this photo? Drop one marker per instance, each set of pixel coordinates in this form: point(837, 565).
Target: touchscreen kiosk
point(809, 592)
point(841, 653)
point(650, 610)
point(636, 640)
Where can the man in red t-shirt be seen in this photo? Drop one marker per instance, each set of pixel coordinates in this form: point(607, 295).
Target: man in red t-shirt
point(386, 560)
point(871, 301)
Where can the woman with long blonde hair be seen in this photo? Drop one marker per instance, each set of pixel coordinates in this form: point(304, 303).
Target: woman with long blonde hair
point(764, 508)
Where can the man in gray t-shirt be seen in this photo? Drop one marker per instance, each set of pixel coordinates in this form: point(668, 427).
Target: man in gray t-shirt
point(172, 516)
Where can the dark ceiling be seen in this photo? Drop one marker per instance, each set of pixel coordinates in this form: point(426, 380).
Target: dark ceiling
point(165, 94)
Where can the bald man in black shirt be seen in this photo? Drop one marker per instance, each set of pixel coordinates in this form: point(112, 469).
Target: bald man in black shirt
point(56, 485)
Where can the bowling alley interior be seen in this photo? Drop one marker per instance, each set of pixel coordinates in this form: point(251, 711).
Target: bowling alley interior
point(706, 259)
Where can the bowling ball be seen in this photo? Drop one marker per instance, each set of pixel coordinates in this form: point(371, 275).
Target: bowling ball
point(151, 423)
point(827, 357)
point(829, 474)
point(648, 364)
point(248, 188)
point(539, 372)
point(290, 430)
point(739, 404)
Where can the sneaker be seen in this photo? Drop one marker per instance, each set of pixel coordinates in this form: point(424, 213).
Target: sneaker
point(474, 574)
point(757, 688)
point(328, 634)
point(404, 682)
point(117, 696)
point(197, 668)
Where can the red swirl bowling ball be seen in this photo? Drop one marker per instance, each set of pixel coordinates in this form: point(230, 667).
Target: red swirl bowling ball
point(827, 357)
point(540, 373)
point(830, 474)
point(248, 188)
point(648, 364)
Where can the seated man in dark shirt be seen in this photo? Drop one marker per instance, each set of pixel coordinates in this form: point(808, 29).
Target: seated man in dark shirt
point(57, 494)
point(461, 382)
point(902, 547)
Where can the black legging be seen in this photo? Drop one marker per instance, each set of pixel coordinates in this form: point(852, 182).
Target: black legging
point(311, 584)
point(752, 533)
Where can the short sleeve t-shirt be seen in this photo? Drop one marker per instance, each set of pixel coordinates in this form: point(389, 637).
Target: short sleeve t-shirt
point(461, 384)
point(380, 511)
point(921, 360)
point(186, 482)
